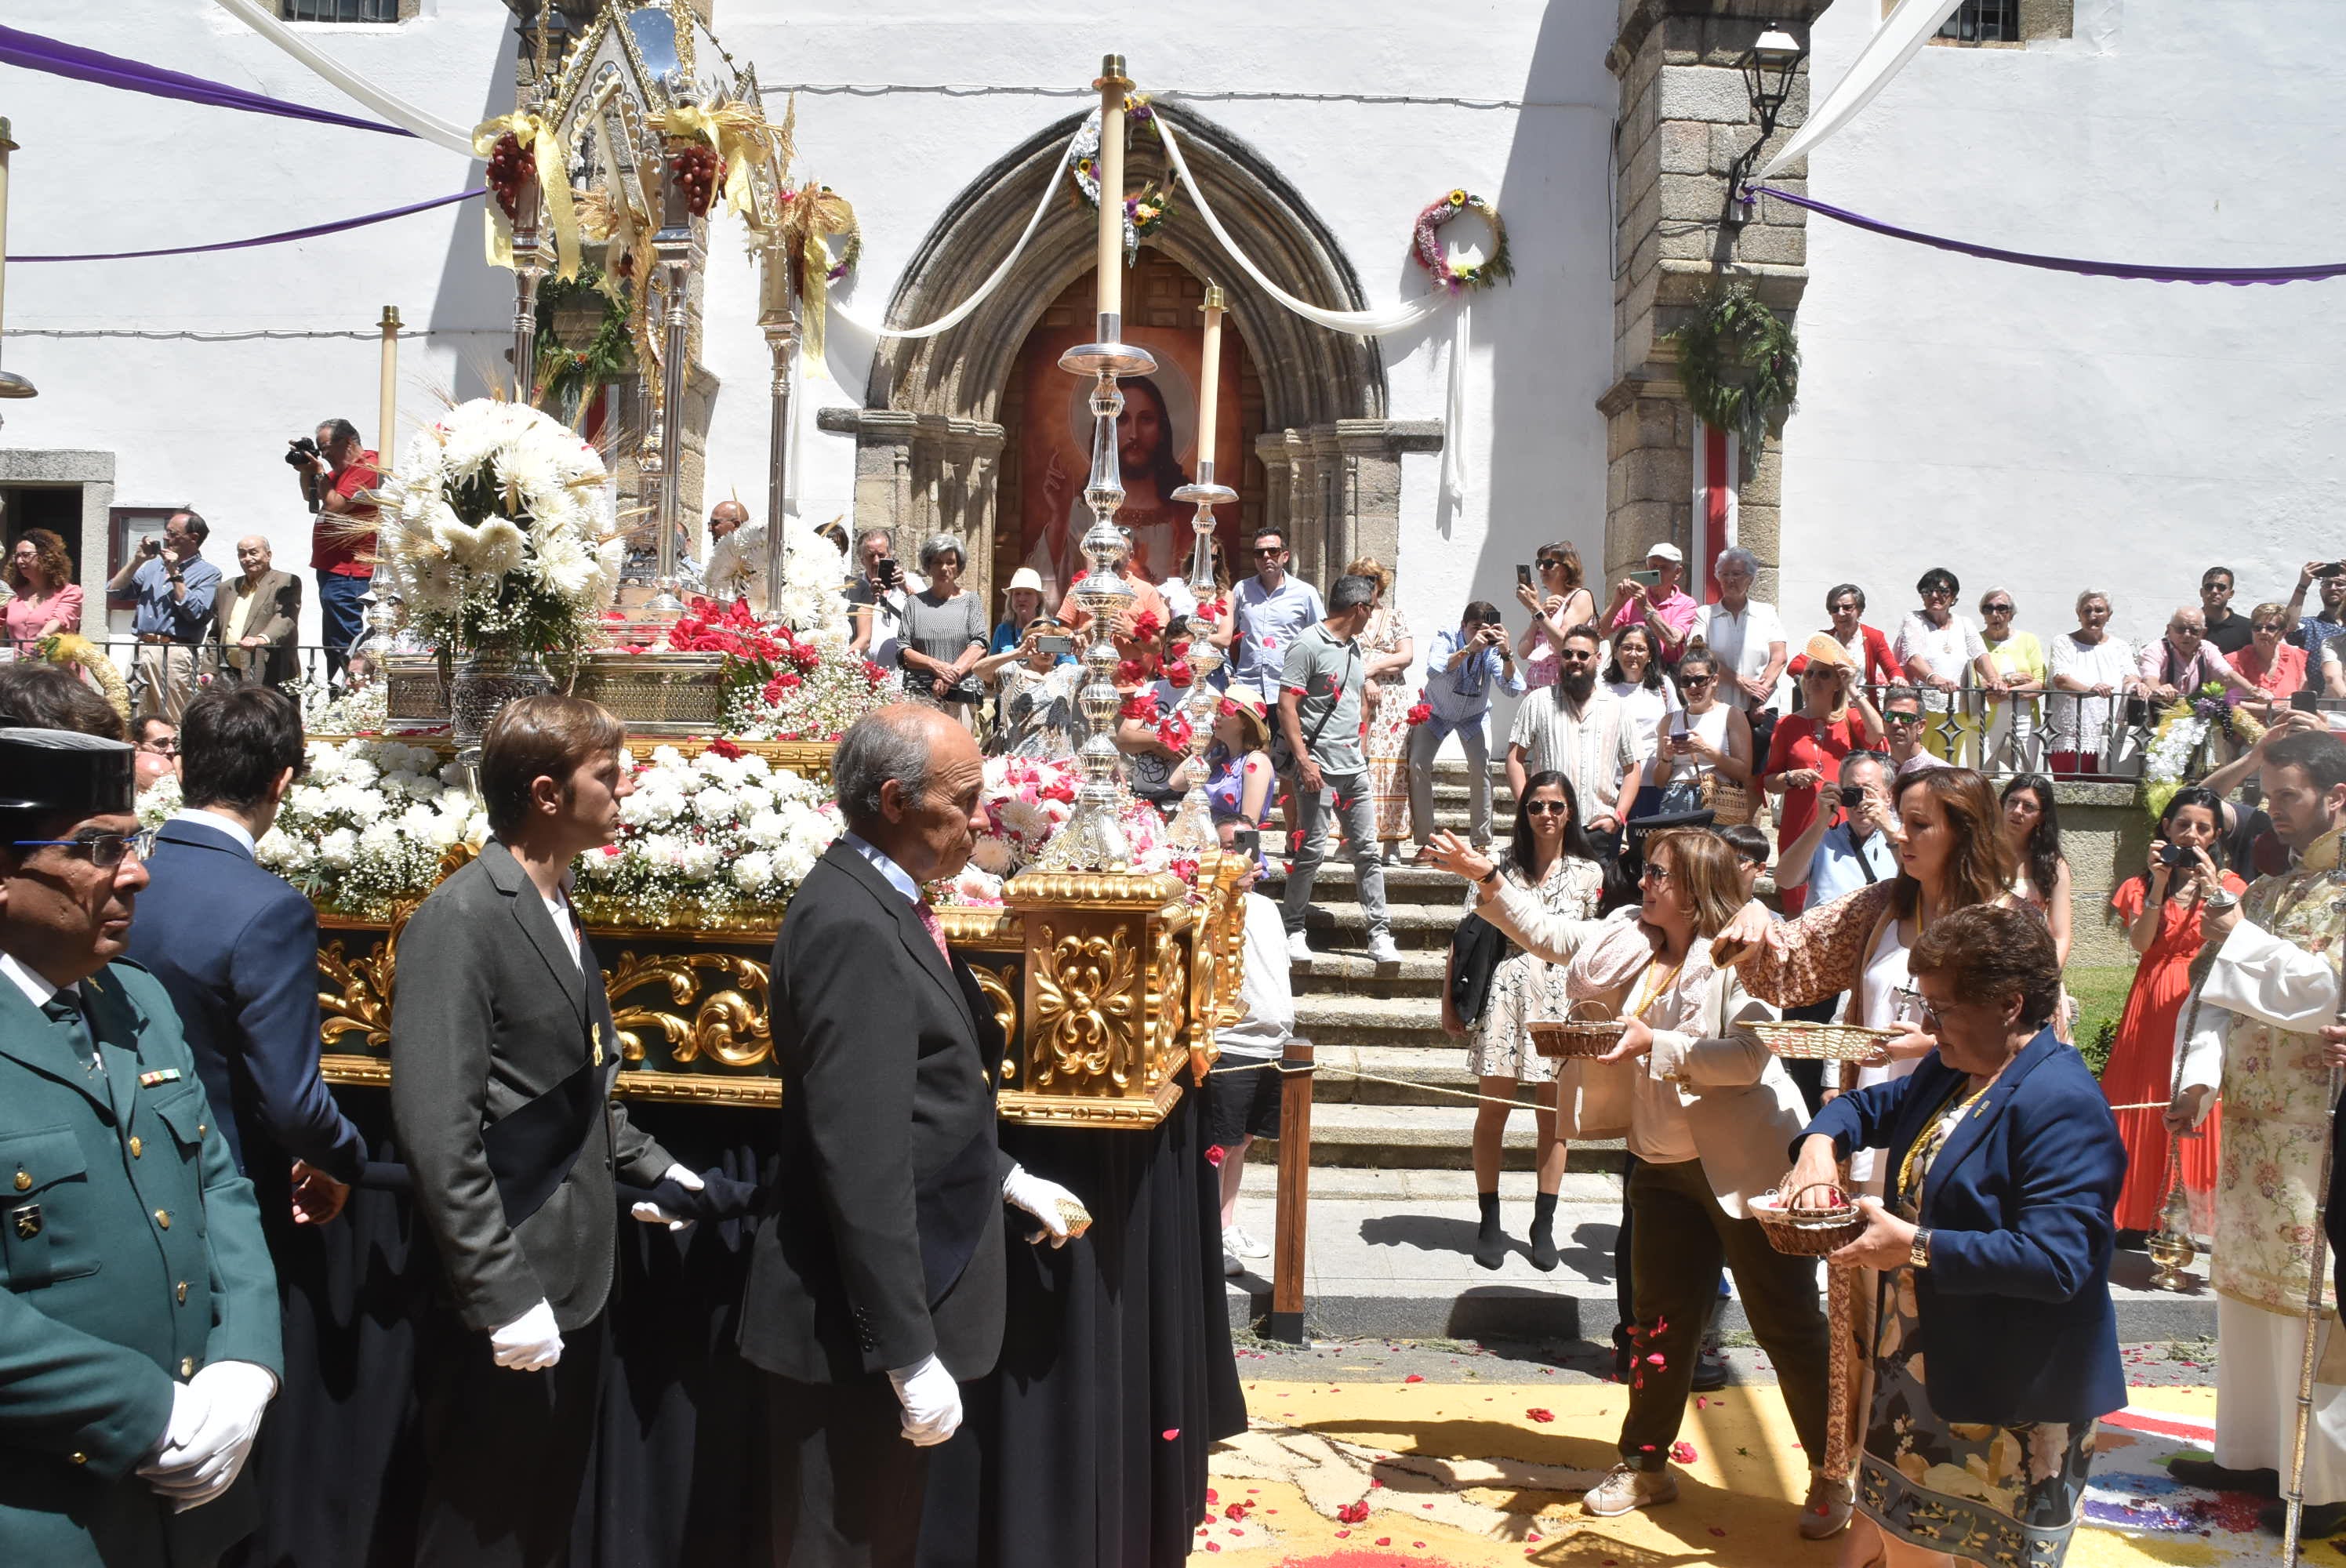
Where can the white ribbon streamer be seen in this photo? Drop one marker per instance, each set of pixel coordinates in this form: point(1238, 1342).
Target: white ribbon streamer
point(1360, 323)
point(1453, 421)
point(397, 110)
point(960, 312)
point(1893, 44)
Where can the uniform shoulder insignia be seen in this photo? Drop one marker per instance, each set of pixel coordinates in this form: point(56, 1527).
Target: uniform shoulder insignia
point(159, 1075)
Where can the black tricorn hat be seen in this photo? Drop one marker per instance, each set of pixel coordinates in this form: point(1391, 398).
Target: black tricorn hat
point(64, 770)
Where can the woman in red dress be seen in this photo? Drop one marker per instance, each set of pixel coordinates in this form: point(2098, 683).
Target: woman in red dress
point(2161, 909)
point(1804, 754)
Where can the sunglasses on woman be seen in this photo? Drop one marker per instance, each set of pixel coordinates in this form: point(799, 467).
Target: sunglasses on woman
point(1547, 809)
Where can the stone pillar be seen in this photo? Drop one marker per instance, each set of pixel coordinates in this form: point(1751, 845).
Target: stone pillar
point(1685, 117)
point(917, 475)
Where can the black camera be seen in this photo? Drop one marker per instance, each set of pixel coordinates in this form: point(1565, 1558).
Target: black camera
point(1852, 796)
point(302, 451)
point(2178, 855)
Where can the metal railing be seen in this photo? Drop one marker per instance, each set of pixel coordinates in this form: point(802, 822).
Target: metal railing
point(310, 661)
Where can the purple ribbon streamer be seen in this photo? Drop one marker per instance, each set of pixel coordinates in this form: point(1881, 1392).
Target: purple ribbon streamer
point(35, 52)
point(2140, 272)
point(309, 233)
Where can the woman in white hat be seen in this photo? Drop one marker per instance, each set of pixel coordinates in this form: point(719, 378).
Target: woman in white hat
point(1022, 601)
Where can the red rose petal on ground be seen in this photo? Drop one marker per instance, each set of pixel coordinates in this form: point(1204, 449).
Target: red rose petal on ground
point(1541, 1416)
point(1682, 1451)
point(1714, 1529)
point(1413, 1377)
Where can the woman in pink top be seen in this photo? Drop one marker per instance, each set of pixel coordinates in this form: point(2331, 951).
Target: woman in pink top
point(48, 599)
point(2276, 668)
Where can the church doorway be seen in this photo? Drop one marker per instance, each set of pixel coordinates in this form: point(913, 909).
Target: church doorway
point(1047, 434)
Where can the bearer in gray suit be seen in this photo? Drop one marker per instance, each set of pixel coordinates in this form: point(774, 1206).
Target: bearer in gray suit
point(504, 1054)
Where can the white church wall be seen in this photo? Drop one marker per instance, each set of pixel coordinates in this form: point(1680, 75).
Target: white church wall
point(205, 424)
point(2045, 432)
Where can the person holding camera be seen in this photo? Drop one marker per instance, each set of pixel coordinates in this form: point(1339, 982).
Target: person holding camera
point(1034, 683)
point(875, 598)
point(2313, 632)
point(1460, 669)
point(338, 477)
point(1805, 748)
point(1652, 597)
point(176, 589)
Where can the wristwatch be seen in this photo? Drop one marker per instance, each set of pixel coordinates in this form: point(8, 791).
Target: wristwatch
point(1919, 1256)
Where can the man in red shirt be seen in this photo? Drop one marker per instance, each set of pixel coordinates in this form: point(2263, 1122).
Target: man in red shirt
point(339, 486)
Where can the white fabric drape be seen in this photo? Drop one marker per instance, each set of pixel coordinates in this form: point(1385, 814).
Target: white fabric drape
point(397, 110)
point(953, 317)
point(1893, 44)
point(1360, 323)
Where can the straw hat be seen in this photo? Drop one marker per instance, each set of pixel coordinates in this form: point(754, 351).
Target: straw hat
point(1251, 718)
point(1825, 648)
point(1025, 577)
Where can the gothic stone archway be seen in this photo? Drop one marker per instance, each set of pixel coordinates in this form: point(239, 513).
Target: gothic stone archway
point(930, 437)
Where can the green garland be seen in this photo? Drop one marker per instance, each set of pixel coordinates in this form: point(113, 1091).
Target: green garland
point(609, 356)
point(1740, 365)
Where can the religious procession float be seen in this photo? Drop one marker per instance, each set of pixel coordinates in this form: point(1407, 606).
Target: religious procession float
point(512, 562)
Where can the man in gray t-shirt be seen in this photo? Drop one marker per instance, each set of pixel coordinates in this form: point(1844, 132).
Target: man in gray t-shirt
point(1320, 717)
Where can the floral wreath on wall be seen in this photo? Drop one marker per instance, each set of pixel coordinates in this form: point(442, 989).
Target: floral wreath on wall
point(1740, 365)
point(1144, 214)
point(1432, 257)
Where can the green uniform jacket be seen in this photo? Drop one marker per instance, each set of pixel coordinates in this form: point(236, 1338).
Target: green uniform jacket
point(131, 1255)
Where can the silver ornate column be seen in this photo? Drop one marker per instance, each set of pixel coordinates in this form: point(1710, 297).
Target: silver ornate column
point(678, 252)
point(778, 318)
point(528, 268)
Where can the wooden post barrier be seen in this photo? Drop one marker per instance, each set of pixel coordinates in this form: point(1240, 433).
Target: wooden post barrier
point(1292, 1237)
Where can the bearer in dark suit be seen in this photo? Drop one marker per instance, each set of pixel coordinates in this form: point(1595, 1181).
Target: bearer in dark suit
point(236, 946)
point(878, 1283)
point(504, 1054)
point(138, 1341)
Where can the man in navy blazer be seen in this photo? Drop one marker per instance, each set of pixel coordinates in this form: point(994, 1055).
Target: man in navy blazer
point(237, 947)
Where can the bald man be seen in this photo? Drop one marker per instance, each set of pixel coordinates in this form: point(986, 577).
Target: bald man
point(255, 616)
point(737, 556)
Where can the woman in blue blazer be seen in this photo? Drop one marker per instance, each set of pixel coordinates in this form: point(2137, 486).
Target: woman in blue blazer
point(1994, 1239)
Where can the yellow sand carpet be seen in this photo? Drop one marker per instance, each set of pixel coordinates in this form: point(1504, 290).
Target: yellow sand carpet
point(1336, 1475)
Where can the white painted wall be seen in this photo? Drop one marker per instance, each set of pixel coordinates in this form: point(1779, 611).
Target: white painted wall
point(204, 423)
point(2048, 432)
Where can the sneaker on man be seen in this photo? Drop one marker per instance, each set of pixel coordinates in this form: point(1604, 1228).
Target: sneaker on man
point(1625, 1487)
point(1298, 950)
point(1231, 1266)
point(1236, 1239)
point(1381, 949)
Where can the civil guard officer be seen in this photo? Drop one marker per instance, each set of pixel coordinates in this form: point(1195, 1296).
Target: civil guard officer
point(138, 1332)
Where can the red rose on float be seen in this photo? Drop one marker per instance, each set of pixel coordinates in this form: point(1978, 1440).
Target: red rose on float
point(724, 747)
point(1145, 626)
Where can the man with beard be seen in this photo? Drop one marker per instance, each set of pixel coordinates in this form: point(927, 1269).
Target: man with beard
point(876, 1289)
point(2258, 1032)
point(1581, 730)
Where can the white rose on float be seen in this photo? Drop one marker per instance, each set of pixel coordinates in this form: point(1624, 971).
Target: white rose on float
point(602, 865)
point(339, 849)
point(273, 848)
point(379, 838)
point(753, 872)
point(418, 821)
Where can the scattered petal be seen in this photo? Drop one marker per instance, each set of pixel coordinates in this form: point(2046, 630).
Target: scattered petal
point(1171, 1432)
point(1682, 1451)
point(1540, 1415)
point(1413, 1377)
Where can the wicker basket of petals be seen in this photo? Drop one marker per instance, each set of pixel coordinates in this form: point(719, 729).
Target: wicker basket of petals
point(1809, 1221)
point(1799, 1041)
point(1588, 1029)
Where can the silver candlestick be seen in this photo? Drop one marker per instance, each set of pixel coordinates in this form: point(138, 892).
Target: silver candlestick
point(1193, 824)
point(1092, 840)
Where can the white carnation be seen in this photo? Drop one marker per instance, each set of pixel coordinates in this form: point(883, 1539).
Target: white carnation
point(992, 855)
point(753, 871)
point(339, 849)
point(714, 806)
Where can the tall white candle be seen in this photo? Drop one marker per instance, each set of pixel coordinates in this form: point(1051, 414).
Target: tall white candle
point(1112, 84)
point(1209, 380)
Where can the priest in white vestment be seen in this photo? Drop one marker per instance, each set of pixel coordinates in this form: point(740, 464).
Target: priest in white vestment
point(2258, 1037)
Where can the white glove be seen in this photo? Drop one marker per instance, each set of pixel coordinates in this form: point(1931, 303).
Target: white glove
point(653, 1214)
point(196, 1465)
point(530, 1343)
point(1062, 1213)
point(931, 1402)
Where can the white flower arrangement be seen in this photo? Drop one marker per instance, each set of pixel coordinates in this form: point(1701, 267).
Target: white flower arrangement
point(723, 835)
point(357, 711)
point(496, 522)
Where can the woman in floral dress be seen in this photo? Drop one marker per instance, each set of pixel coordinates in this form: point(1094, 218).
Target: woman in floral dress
point(1552, 858)
point(1384, 707)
